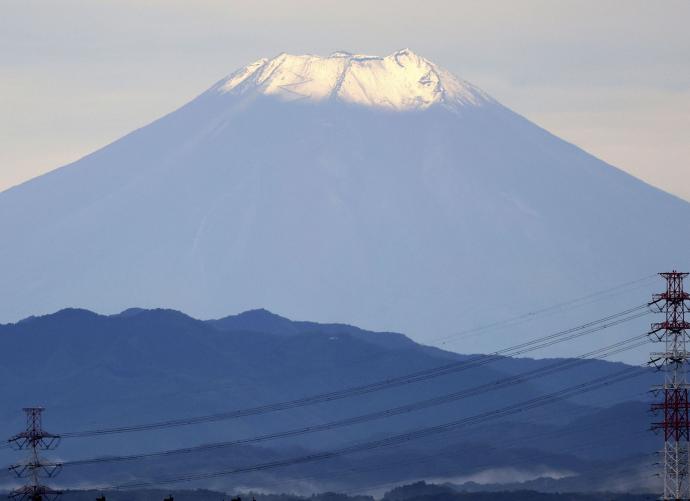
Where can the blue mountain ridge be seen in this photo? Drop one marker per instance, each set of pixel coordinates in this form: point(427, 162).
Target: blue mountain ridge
point(96, 371)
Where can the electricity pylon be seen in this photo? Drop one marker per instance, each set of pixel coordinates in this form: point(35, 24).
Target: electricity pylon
point(673, 361)
point(35, 439)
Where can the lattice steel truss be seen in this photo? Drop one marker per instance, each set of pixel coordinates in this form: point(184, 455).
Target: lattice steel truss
point(35, 439)
point(673, 361)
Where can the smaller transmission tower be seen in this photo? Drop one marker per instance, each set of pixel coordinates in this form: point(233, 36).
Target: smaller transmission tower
point(673, 361)
point(35, 439)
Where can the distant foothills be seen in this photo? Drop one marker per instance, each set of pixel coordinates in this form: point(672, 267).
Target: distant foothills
point(419, 491)
point(274, 405)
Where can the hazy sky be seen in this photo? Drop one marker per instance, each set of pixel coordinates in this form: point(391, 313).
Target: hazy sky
point(611, 76)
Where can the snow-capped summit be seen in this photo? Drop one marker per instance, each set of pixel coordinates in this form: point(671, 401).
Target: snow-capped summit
point(400, 81)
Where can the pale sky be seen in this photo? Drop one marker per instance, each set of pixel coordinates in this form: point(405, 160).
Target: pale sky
point(612, 77)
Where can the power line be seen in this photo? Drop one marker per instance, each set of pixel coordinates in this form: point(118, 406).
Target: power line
point(423, 375)
point(524, 317)
point(386, 413)
point(340, 472)
point(624, 375)
point(434, 457)
point(510, 322)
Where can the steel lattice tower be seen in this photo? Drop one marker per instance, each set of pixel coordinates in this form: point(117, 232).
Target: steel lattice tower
point(35, 439)
point(673, 361)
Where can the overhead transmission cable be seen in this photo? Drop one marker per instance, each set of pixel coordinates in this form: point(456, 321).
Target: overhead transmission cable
point(596, 383)
point(431, 457)
point(509, 322)
point(531, 315)
point(423, 375)
point(417, 460)
point(517, 379)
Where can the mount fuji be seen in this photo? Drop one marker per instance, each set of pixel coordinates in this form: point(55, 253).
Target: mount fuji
point(379, 191)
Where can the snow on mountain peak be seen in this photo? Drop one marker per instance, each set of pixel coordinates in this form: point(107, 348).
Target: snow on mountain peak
point(401, 81)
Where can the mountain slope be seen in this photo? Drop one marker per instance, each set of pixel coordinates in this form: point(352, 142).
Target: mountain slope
point(390, 212)
point(146, 366)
